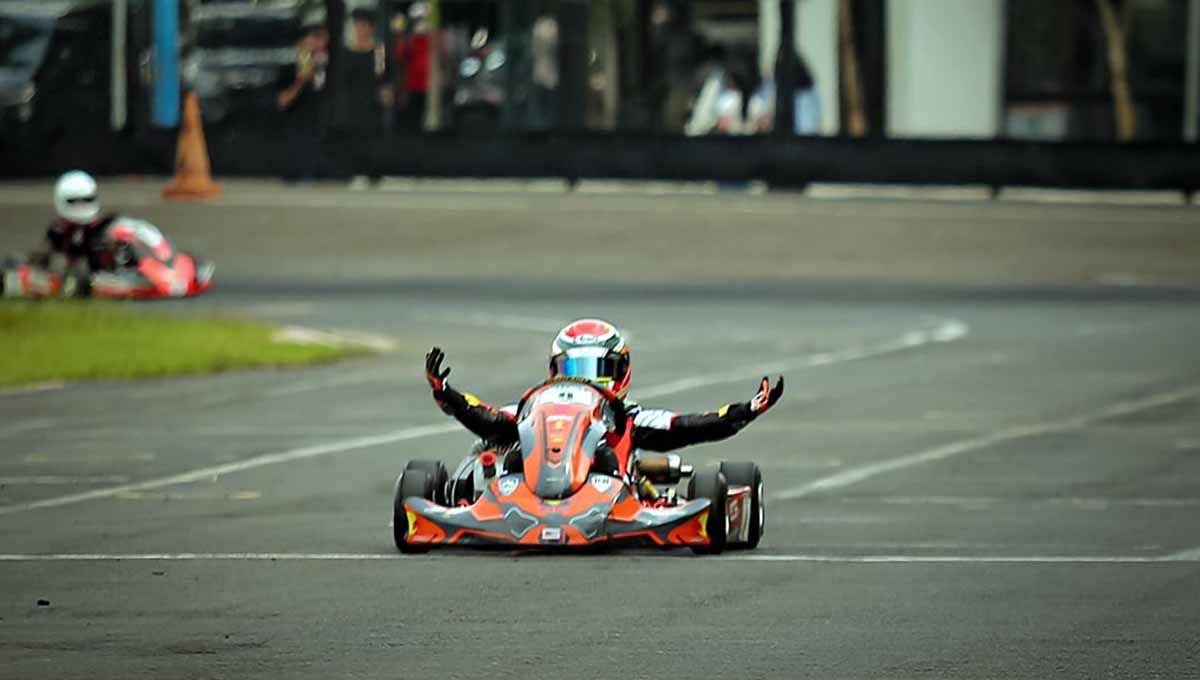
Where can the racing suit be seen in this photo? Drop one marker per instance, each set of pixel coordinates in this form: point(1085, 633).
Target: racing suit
point(653, 429)
point(79, 243)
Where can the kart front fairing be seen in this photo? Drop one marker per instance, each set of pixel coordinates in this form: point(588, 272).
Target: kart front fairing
point(558, 496)
point(603, 510)
point(154, 267)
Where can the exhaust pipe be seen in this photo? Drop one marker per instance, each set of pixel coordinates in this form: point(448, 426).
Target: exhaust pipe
point(663, 468)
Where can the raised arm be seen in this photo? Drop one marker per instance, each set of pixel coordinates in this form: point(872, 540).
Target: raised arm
point(485, 420)
point(659, 430)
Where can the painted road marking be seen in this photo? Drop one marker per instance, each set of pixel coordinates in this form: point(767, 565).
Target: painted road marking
point(737, 557)
point(1192, 555)
point(961, 559)
point(26, 426)
point(1085, 502)
point(19, 480)
point(203, 496)
point(946, 331)
point(216, 471)
point(32, 389)
point(1009, 434)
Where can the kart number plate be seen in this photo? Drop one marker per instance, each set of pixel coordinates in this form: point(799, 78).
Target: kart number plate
point(552, 535)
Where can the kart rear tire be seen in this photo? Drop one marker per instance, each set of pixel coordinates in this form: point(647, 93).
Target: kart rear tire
point(412, 482)
point(437, 473)
point(711, 484)
point(748, 474)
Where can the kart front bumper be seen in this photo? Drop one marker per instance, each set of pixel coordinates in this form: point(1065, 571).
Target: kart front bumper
point(605, 514)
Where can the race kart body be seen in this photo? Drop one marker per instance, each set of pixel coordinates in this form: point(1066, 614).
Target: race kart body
point(575, 482)
point(140, 263)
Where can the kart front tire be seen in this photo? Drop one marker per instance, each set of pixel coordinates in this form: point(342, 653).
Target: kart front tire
point(711, 484)
point(78, 281)
point(437, 473)
point(412, 482)
point(748, 474)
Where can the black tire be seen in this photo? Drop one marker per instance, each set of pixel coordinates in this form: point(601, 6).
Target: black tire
point(411, 483)
point(711, 484)
point(437, 474)
point(748, 474)
point(78, 281)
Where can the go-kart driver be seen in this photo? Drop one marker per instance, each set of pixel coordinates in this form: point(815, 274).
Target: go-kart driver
point(74, 241)
point(594, 350)
point(77, 231)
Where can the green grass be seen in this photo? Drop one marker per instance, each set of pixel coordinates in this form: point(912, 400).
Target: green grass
point(98, 340)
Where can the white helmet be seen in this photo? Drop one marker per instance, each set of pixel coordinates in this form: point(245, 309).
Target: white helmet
point(75, 197)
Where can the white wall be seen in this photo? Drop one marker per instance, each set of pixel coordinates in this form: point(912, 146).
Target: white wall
point(817, 41)
point(944, 64)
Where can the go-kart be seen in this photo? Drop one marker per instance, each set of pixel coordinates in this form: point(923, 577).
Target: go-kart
point(141, 263)
point(574, 481)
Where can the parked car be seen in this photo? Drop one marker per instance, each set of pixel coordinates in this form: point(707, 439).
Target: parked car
point(54, 68)
point(236, 55)
point(479, 86)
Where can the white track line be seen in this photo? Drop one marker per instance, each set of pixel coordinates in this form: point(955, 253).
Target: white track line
point(958, 559)
point(26, 426)
point(61, 479)
point(859, 474)
point(31, 389)
point(210, 473)
point(947, 331)
point(731, 557)
point(1192, 555)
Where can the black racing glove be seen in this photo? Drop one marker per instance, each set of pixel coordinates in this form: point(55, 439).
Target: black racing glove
point(433, 369)
point(766, 396)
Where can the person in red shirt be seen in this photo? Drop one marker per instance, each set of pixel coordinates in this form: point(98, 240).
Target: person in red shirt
point(413, 54)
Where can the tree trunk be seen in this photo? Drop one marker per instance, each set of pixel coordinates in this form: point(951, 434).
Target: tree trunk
point(856, 120)
point(1118, 69)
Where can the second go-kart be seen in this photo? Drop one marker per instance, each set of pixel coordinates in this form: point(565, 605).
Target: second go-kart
point(575, 482)
point(140, 263)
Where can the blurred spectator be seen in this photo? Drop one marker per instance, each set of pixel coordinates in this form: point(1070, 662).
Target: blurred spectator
point(413, 57)
point(677, 52)
point(301, 98)
point(761, 109)
point(365, 93)
point(543, 111)
point(722, 103)
point(366, 78)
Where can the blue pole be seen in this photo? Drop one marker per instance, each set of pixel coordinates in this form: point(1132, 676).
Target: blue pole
point(166, 63)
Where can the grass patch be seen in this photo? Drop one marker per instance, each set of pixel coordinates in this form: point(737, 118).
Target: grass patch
point(102, 340)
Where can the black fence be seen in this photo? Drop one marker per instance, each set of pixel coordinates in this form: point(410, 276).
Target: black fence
point(781, 162)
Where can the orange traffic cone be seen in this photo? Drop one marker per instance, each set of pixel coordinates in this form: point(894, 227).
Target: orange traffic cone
point(193, 179)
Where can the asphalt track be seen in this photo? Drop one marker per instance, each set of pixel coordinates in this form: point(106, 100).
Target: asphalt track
point(987, 462)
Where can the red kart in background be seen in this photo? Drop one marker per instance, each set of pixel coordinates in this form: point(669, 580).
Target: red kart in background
point(144, 264)
point(575, 482)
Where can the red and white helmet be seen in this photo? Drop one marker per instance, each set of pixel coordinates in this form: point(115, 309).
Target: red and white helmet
point(595, 351)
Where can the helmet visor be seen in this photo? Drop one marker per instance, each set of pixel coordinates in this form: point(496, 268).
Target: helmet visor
point(600, 370)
